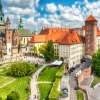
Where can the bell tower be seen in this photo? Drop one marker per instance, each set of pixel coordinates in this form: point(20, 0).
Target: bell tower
point(90, 35)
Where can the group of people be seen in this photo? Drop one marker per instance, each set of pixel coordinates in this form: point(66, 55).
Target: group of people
point(31, 59)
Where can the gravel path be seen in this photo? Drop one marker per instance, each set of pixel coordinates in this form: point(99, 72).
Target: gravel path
point(33, 85)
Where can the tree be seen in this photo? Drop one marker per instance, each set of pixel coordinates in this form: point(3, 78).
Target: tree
point(13, 96)
point(48, 51)
point(34, 50)
point(0, 98)
point(20, 69)
point(96, 63)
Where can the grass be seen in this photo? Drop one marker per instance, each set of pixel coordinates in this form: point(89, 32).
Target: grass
point(19, 85)
point(95, 81)
point(44, 91)
point(60, 72)
point(80, 95)
point(48, 74)
point(5, 79)
point(54, 93)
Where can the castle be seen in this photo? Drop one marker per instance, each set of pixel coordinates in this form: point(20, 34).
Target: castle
point(71, 44)
point(9, 38)
point(12, 41)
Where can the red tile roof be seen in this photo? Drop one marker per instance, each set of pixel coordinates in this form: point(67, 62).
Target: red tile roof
point(57, 35)
point(71, 38)
point(90, 19)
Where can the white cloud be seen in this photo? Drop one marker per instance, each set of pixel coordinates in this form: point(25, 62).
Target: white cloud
point(52, 8)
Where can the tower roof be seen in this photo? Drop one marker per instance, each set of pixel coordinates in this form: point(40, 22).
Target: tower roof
point(91, 18)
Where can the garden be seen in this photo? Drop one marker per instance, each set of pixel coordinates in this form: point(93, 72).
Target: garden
point(49, 82)
point(15, 79)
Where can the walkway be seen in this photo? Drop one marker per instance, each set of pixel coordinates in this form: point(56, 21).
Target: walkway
point(7, 83)
point(65, 84)
point(33, 85)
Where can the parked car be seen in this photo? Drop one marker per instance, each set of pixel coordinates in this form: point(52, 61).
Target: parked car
point(65, 92)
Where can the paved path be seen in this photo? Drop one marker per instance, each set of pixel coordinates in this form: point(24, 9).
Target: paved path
point(33, 85)
point(65, 84)
point(73, 84)
point(7, 83)
point(44, 82)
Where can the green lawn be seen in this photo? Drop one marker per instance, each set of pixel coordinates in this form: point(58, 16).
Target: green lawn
point(19, 85)
point(60, 72)
point(95, 81)
point(80, 95)
point(48, 74)
point(44, 91)
point(5, 79)
point(54, 93)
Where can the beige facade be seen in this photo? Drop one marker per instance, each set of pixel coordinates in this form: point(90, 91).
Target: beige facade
point(71, 53)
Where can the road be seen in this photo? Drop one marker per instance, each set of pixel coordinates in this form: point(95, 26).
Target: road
point(33, 85)
point(73, 84)
point(65, 83)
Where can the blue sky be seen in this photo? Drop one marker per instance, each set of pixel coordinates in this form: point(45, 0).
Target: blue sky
point(50, 13)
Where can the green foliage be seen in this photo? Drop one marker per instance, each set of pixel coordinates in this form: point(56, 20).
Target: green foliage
point(19, 85)
point(80, 95)
point(48, 74)
point(96, 63)
point(34, 50)
point(20, 69)
point(55, 92)
point(48, 51)
point(13, 96)
point(95, 81)
point(44, 91)
point(60, 72)
point(0, 98)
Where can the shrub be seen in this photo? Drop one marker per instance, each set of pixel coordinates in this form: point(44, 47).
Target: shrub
point(0, 98)
point(20, 69)
point(13, 96)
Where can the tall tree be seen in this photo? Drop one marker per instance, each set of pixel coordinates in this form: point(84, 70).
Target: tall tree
point(96, 63)
point(47, 51)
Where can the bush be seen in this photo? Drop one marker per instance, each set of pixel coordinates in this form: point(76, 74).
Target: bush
point(20, 69)
point(0, 98)
point(13, 96)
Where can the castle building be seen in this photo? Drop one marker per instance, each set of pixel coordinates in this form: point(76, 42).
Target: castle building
point(71, 44)
point(9, 38)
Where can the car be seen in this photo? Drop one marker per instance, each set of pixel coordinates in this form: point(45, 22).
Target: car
point(65, 92)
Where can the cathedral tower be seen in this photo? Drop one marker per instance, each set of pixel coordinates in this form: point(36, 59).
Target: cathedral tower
point(90, 35)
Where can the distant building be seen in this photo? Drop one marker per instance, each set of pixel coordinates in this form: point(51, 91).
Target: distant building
point(25, 37)
point(9, 38)
point(71, 44)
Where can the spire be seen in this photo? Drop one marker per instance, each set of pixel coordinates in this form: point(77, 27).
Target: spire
point(1, 14)
point(7, 20)
point(20, 26)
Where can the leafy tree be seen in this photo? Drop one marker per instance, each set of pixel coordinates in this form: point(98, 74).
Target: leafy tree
point(20, 69)
point(0, 98)
point(96, 63)
point(48, 51)
point(13, 96)
point(34, 50)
